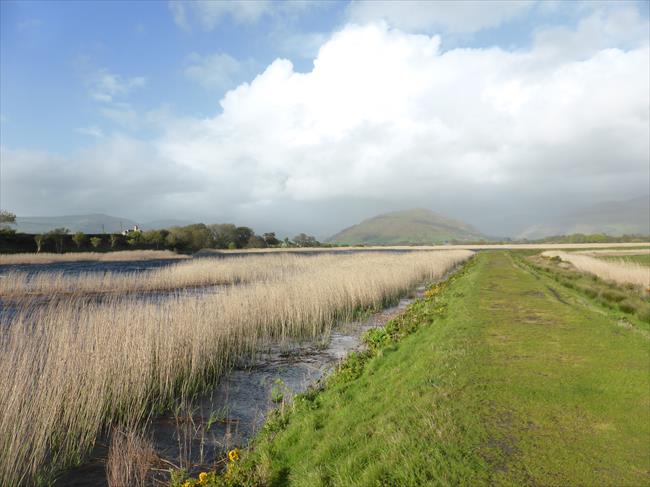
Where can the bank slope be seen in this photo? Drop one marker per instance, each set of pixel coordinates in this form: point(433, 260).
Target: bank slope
point(508, 380)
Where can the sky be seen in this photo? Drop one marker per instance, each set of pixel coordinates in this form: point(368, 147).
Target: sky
point(309, 116)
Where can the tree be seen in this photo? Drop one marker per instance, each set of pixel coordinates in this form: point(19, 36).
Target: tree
point(58, 237)
point(155, 238)
point(135, 238)
point(79, 239)
point(40, 240)
point(243, 235)
point(190, 237)
point(304, 240)
point(6, 220)
point(115, 240)
point(223, 234)
point(256, 242)
point(270, 239)
point(96, 242)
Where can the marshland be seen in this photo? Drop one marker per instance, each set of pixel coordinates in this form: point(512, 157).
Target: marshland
point(80, 367)
point(289, 243)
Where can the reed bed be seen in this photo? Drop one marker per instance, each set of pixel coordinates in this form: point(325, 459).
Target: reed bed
point(70, 370)
point(194, 273)
point(619, 272)
point(614, 253)
point(117, 256)
point(513, 246)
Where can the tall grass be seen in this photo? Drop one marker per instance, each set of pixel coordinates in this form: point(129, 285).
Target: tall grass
point(619, 272)
point(117, 256)
point(192, 273)
point(614, 253)
point(69, 370)
point(362, 248)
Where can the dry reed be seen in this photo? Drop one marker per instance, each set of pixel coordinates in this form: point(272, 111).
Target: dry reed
point(69, 369)
point(513, 246)
point(117, 256)
point(619, 272)
point(193, 273)
point(130, 459)
point(614, 253)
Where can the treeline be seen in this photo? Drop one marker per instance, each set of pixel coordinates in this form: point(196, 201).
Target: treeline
point(189, 238)
point(218, 236)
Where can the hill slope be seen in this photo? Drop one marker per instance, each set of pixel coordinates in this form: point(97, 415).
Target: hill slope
point(613, 218)
point(417, 226)
point(91, 223)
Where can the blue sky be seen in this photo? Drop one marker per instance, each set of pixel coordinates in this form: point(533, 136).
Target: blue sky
point(51, 50)
point(105, 85)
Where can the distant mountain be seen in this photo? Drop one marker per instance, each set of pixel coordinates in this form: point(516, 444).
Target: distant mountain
point(417, 226)
point(168, 223)
point(612, 218)
point(93, 223)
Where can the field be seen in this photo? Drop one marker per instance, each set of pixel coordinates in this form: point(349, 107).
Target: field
point(72, 366)
point(502, 377)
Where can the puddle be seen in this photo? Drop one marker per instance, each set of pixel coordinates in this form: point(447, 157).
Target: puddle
point(239, 403)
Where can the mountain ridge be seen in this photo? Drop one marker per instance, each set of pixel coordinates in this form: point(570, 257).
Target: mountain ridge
point(413, 226)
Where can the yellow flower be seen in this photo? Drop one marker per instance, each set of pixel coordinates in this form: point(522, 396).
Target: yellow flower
point(187, 484)
point(233, 455)
point(203, 477)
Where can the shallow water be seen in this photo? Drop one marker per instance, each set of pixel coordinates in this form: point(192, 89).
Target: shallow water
point(71, 268)
point(241, 400)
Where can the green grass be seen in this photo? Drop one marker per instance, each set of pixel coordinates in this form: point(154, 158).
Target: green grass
point(625, 302)
point(506, 378)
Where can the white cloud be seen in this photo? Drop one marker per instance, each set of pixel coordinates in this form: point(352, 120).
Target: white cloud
point(386, 115)
point(210, 13)
point(218, 70)
point(447, 15)
point(621, 27)
point(105, 86)
point(92, 131)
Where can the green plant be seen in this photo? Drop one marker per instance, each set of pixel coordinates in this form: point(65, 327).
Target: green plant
point(79, 239)
point(96, 242)
point(40, 240)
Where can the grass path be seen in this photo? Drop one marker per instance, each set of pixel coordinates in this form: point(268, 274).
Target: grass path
point(509, 380)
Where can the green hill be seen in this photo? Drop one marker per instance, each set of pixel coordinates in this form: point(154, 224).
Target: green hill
point(417, 226)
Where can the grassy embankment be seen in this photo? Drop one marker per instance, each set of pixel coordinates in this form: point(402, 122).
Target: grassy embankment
point(508, 379)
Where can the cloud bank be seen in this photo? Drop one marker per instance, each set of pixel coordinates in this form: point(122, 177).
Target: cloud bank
point(384, 115)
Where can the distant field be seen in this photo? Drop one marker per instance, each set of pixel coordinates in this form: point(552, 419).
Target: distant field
point(508, 379)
